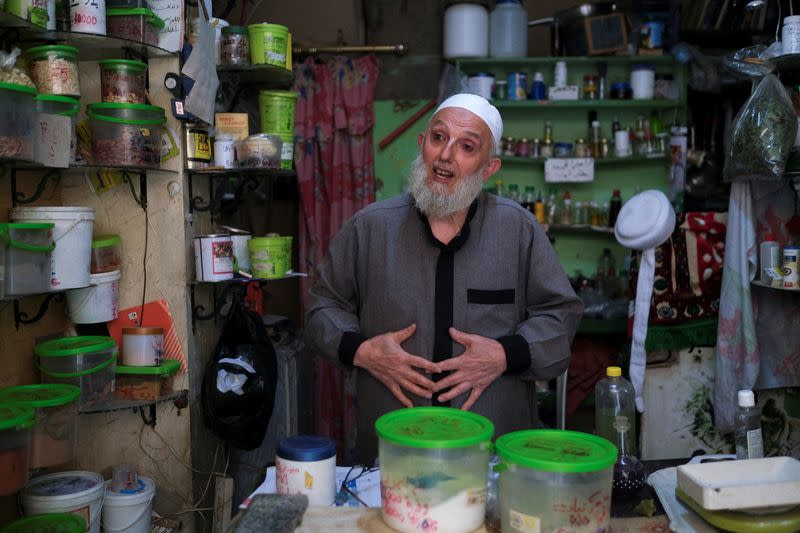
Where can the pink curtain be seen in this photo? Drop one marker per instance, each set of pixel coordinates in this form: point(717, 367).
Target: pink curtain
point(335, 172)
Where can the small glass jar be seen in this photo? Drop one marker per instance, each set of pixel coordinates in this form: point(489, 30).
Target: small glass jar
point(536, 149)
point(590, 87)
point(106, 254)
point(510, 148)
point(603, 152)
point(562, 150)
point(582, 149)
point(523, 148)
point(234, 46)
point(546, 149)
point(500, 91)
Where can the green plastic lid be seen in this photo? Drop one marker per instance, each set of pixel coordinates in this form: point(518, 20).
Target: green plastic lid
point(46, 395)
point(100, 106)
point(554, 450)
point(434, 427)
point(30, 225)
point(72, 102)
point(239, 30)
point(105, 241)
point(47, 523)
point(16, 416)
point(60, 49)
point(167, 368)
point(74, 346)
point(16, 87)
point(123, 64)
point(152, 18)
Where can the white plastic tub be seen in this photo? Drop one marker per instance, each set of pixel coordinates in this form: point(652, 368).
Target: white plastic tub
point(129, 513)
point(72, 257)
point(97, 303)
point(307, 457)
point(142, 346)
point(74, 492)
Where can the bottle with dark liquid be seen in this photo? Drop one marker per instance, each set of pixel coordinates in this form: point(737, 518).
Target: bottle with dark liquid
point(614, 207)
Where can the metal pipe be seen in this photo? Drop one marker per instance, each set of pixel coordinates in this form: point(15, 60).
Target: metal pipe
point(398, 49)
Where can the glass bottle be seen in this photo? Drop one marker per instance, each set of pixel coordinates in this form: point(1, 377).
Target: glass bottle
point(590, 87)
point(546, 150)
point(538, 209)
point(748, 437)
point(530, 199)
point(523, 148)
point(614, 396)
point(552, 208)
point(536, 149)
point(594, 214)
point(578, 218)
point(614, 207)
point(513, 193)
point(566, 210)
point(499, 188)
point(548, 132)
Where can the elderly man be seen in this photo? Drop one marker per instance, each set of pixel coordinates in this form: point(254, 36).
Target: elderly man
point(446, 295)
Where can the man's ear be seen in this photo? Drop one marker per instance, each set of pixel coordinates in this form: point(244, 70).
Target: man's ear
point(491, 168)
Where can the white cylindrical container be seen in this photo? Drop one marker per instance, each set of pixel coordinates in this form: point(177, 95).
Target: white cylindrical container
point(129, 512)
point(72, 257)
point(560, 74)
point(622, 143)
point(142, 346)
point(213, 257)
point(223, 151)
point(481, 84)
point(466, 31)
point(508, 30)
point(97, 303)
point(791, 277)
point(643, 82)
point(78, 493)
point(306, 464)
point(88, 17)
point(790, 35)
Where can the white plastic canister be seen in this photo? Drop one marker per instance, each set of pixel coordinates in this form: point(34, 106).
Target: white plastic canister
point(466, 31)
point(142, 346)
point(508, 30)
point(129, 513)
point(79, 493)
point(643, 82)
point(306, 464)
point(97, 303)
point(72, 257)
point(213, 257)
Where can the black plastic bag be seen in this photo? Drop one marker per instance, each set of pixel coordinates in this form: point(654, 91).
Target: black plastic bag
point(239, 383)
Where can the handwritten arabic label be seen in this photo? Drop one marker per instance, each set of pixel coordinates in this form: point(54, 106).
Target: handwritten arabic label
point(569, 170)
point(52, 140)
point(171, 12)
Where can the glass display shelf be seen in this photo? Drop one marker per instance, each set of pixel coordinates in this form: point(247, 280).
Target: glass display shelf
point(243, 280)
point(20, 165)
point(267, 76)
point(241, 171)
point(121, 405)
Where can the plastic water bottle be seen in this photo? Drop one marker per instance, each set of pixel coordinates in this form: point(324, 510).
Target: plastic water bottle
point(508, 30)
point(749, 441)
point(614, 397)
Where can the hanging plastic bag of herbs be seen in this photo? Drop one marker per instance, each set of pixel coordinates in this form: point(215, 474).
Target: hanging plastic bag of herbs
point(763, 134)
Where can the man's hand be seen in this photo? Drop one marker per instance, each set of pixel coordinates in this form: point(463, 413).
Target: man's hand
point(483, 361)
point(384, 358)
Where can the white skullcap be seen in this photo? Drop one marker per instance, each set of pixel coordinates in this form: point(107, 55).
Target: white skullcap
point(645, 221)
point(479, 106)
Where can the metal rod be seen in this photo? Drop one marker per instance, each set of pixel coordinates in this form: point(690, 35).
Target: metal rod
point(398, 49)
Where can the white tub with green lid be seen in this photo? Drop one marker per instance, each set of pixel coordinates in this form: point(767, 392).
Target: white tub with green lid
point(434, 466)
point(64, 106)
point(75, 492)
point(88, 362)
point(17, 116)
point(25, 258)
point(126, 134)
point(553, 479)
point(53, 440)
point(47, 523)
point(15, 426)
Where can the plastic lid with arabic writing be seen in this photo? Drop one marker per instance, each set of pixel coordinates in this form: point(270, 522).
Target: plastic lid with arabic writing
point(554, 450)
point(434, 427)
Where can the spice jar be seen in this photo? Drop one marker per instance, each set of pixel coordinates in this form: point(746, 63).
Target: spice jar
point(234, 46)
point(582, 149)
point(590, 87)
point(500, 90)
point(523, 148)
point(510, 148)
point(122, 80)
point(603, 148)
point(562, 150)
point(54, 69)
point(536, 149)
point(547, 149)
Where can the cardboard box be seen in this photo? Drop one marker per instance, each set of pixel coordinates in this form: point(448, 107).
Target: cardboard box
point(234, 123)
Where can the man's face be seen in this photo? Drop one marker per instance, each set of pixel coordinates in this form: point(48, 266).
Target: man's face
point(457, 145)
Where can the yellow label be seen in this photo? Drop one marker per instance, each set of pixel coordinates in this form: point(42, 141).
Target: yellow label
point(524, 523)
point(309, 480)
point(202, 146)
point(145, 132)
point(476, 497)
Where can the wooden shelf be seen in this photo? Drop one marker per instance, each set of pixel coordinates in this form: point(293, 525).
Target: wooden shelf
point(757, 283)
point(605, 161)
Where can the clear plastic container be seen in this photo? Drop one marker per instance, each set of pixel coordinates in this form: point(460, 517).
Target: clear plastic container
point(434, 468)
point(54, 437)
point(106, 253)
point(234, 46)
point(87, 362)
point(26, 252)
point(17, 115)
point(146, 382)
point(15, 427)
point(54, 70)
point(135, 24)
point(508, 29)
point(614, 396)
point(559, 480)
point(126, 134)
point(64, 106)
point(122, 81)
point(262, 150)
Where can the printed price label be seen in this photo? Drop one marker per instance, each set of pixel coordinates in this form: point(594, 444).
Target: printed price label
point(523, 522)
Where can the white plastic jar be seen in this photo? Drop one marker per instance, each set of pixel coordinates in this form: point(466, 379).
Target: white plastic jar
point(142, 346)
point(466, 30)
point(643, 81)
point(306, 464)
point(508, 30)
point(790, 35)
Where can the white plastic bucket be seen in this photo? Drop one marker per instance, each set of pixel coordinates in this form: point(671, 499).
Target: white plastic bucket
point(129, 513)
point(79, 493)
point(72, 257)
point(97, 303)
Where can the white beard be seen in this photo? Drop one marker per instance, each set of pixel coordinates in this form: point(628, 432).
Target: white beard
point(434, 199)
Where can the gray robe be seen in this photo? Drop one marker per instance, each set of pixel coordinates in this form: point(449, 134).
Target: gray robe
point(500, 278)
